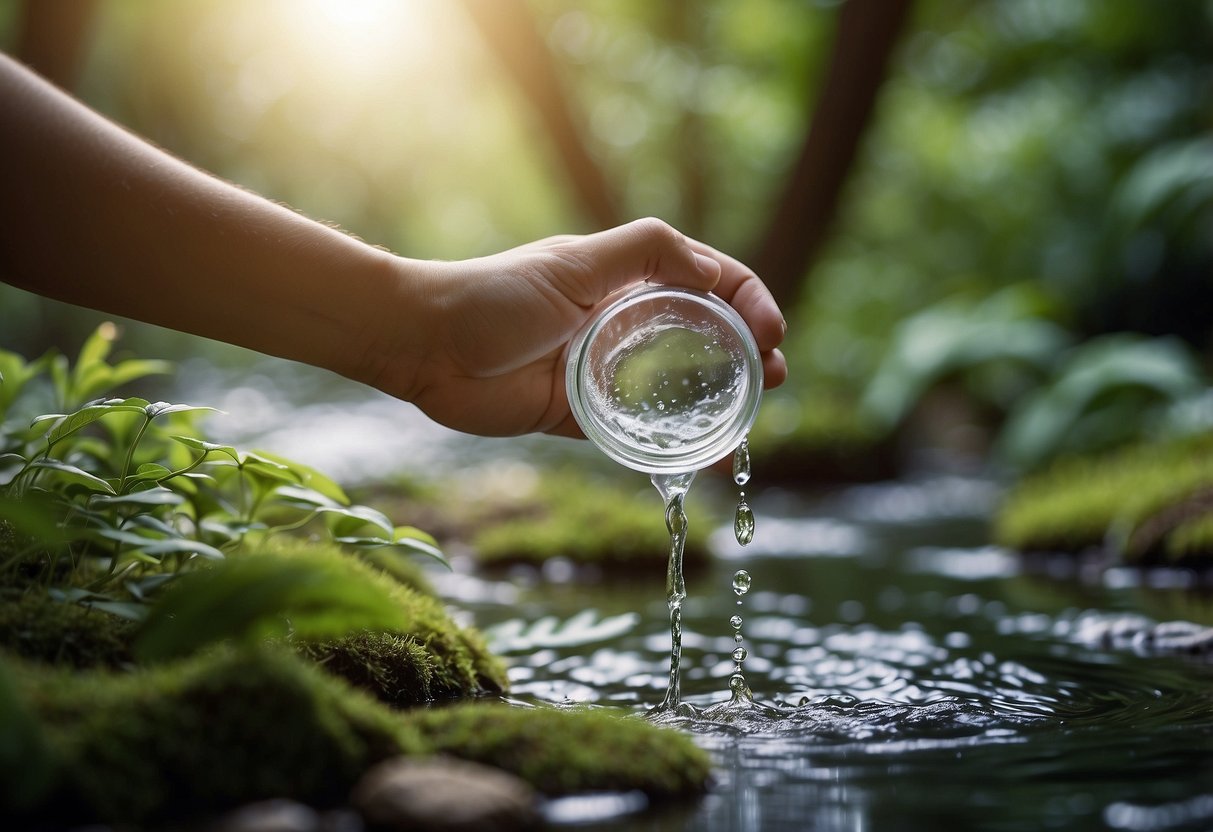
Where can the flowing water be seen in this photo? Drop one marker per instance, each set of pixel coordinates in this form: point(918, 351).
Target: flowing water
point(905, 674)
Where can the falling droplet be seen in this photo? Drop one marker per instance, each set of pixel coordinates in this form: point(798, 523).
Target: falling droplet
point(743, 522)
point(735, 621)
point(741, 582)
point(740, 654)
point(737, 684)
point(741, 462)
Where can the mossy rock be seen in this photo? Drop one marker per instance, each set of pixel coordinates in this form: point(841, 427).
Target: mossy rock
point(818, 438)
point(563, 752)
point(586, 521)
point(200, 736)
point(1149, 504)
point(40, 628)
point(434, 659)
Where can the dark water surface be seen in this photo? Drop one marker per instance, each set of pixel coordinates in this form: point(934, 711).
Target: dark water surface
point(906, 675)
point(944, 684)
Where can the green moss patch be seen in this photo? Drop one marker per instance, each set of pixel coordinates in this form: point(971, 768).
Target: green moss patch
point(433, 659)
point(586, 521)
point(1149, 504)
point(39, 628)
point(202, 735)
point(563, 752)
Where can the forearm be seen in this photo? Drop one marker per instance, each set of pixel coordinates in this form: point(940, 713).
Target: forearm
point(92, 215)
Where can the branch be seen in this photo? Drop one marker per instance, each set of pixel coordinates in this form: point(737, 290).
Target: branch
point(867, 33)
point(509, 29)
point(52, 38)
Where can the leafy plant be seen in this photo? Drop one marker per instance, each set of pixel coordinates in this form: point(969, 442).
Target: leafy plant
point(1107, 392)
point(109, 499)
point(1004, 334)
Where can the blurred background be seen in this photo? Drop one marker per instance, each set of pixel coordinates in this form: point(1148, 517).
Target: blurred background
point(990, 222)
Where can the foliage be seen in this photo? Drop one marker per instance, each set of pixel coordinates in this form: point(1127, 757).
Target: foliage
point(568, 751)
point(1002, 343)
point(1106, 392)
point(1142, 504)
point(109, 499)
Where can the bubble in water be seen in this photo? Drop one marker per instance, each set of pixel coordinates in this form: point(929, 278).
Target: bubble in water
point(742, 581)
point(740, 654)
point(743, 523)
point(735, 621)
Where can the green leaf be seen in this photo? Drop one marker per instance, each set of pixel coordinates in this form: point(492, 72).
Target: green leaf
point(130, 610)
point(88, 414)
point(255, 597)
point(148, 472)
point(150, 497)
point(182, 546)
point(208, 447)
point(155, 409)
point(127, 371)
point(73, 474)
point(346, 521)
point(311, 478)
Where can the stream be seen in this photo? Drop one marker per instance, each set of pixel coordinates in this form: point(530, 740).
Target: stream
point(906, 674)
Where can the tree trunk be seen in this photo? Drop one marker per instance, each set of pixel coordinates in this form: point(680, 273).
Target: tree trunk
point(509, 28)
point(52, 38)
point(867, 33)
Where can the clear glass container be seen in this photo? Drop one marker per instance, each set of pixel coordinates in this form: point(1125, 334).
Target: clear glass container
point(664, 379)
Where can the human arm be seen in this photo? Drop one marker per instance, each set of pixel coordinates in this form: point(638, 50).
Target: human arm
point(93, 215)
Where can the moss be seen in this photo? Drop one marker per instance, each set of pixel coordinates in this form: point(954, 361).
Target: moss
point(1145, 500)
point(586, 521)
point(39, 628)
point(435, 659)
point(206, 734)
point(563, 752)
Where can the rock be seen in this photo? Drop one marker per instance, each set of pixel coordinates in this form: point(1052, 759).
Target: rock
point(443, 793)
point(270, 816)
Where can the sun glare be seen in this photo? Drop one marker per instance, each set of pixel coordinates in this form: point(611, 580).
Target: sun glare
point(359, 39)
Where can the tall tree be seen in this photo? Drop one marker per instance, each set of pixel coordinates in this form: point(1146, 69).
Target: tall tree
point(866, 34)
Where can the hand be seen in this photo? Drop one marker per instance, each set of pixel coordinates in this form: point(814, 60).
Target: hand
point(486, 352)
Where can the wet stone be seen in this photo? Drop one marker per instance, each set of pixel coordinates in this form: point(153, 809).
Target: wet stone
point(271, 816)
point(444, 794)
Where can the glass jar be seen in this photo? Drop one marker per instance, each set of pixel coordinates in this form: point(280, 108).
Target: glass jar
point(664, 379)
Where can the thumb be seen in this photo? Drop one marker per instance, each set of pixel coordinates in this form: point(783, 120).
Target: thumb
point(647, 249)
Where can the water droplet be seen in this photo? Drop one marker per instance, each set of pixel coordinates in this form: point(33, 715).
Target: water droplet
point(743, 523)
point(739, 655)
point(742, 582)
point(741, 462)
point(737, 683)
point(736, 621)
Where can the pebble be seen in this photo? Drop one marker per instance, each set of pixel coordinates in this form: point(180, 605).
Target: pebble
point(443, 793)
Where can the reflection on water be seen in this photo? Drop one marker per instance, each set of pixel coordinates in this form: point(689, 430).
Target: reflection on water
point(906, 675)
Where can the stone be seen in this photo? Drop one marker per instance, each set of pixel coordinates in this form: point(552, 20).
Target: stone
point(443, 793)
point(270, 816)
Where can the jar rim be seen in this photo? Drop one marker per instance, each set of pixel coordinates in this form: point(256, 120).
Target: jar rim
point(717, 443)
